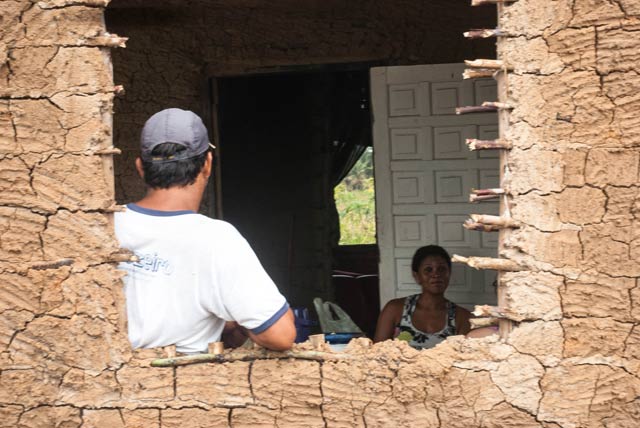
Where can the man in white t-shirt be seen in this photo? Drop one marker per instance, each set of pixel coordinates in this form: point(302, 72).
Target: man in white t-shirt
point(194, 274)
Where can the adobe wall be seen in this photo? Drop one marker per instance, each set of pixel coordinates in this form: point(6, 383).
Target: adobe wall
point(572, 361)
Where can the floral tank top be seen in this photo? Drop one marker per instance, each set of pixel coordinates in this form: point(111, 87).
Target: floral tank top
point(405, 330)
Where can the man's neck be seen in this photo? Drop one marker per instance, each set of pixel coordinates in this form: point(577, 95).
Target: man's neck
point(172, 199)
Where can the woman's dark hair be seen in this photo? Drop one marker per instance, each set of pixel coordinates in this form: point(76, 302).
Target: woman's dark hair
point(426, 251)
point(162, 175)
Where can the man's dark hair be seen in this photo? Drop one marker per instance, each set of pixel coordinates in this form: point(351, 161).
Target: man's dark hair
point(426, 251)
point(162, 175)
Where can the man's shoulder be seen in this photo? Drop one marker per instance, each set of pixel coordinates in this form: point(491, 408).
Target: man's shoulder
point(130, 218)
point(215, 223)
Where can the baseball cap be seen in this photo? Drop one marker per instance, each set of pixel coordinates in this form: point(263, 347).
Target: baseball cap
point(174, 125)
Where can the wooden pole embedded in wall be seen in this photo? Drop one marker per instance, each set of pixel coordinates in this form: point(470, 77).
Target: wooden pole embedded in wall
point(478, 195)
point(482, 263)
point(475, 109)
point(475, 144)
point(505, 325)
point(471, 73)
point(498, 2)
point(215, 135)
point(483, 33)
point(494, 64)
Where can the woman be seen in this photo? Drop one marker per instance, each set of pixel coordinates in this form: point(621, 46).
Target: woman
point(424, 319)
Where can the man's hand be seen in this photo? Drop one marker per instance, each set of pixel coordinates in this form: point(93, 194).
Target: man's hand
point(278, 337)
point(234, 335)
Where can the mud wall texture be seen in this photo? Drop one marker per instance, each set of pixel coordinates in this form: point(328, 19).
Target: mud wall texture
point(572, 359)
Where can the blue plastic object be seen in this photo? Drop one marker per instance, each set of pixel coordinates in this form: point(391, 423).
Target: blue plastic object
point(303, 324)
point(341, 338)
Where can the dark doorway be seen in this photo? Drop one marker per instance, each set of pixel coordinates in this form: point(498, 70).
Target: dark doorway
point(283, 144)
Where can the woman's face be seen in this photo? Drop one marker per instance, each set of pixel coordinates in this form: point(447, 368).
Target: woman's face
point(433, 275)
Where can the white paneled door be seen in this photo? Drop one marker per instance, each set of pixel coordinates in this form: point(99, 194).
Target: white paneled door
point(424, 173)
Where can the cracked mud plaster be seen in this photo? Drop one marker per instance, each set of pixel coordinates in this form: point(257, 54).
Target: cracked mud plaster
point(66, 26)
point(37, 72)
point(20, 235)
point(46, 416)
point(31, 24)
point(72, 182)
point(227, 385)
point(599, 297)
point(572, 360)
point(597, 393)
point(60, 124)
point(585, 337)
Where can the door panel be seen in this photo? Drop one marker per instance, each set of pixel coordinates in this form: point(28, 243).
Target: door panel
point(424, 173)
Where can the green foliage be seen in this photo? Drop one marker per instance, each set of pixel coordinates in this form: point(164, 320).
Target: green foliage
point(355, 200)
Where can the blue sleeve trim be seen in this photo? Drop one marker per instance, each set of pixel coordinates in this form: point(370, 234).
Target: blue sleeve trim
point(271, 321)
point(156, 213)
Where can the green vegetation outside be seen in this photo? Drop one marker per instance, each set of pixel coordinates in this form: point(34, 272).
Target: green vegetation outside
point(355, 200)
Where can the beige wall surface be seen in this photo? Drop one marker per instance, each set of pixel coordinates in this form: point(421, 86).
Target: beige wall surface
point(572, 359)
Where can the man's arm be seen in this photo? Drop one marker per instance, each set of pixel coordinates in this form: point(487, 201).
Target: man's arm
point(234, 335)
point(279, 336)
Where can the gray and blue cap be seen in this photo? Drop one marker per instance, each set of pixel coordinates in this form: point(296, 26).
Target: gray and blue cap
point(177, 126)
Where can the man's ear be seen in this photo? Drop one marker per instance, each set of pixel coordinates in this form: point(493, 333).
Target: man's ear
point(139, 168)
point(208, 164)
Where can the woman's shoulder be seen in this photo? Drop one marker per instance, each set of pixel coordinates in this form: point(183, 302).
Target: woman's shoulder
point(395, 305)
point(398, 301)
point(462, 310)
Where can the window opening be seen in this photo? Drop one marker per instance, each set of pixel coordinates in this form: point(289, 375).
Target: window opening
point(355, 201)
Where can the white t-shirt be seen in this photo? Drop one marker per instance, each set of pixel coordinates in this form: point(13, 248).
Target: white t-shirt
point(193, 274)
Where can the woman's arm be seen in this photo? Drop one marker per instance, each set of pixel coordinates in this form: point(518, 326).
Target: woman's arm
point(462, 320)
point(388, 319)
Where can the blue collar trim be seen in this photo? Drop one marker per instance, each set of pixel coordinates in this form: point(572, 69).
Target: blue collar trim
point(157, 213)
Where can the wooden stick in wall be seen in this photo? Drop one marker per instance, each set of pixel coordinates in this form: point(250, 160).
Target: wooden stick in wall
point(472, 225)
point(475, 144)
point(118, 90)
point(495, 220)
point(478, 195)
point(483, 322)
point(249, 356)
point(498, 105)
point(487, 263)
point(108, 40)
point(475, 109)
point(485, 192)
point(477, 74)
point(115, 208)
point(317, 340)
point(109, 151)
point(483, 33)
point(216, 348)
point(489, 223)
point(494, 64)
point(479, 198)
point(55, 264)
point(122, 256)
point(489, 311)
point(483, 2)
